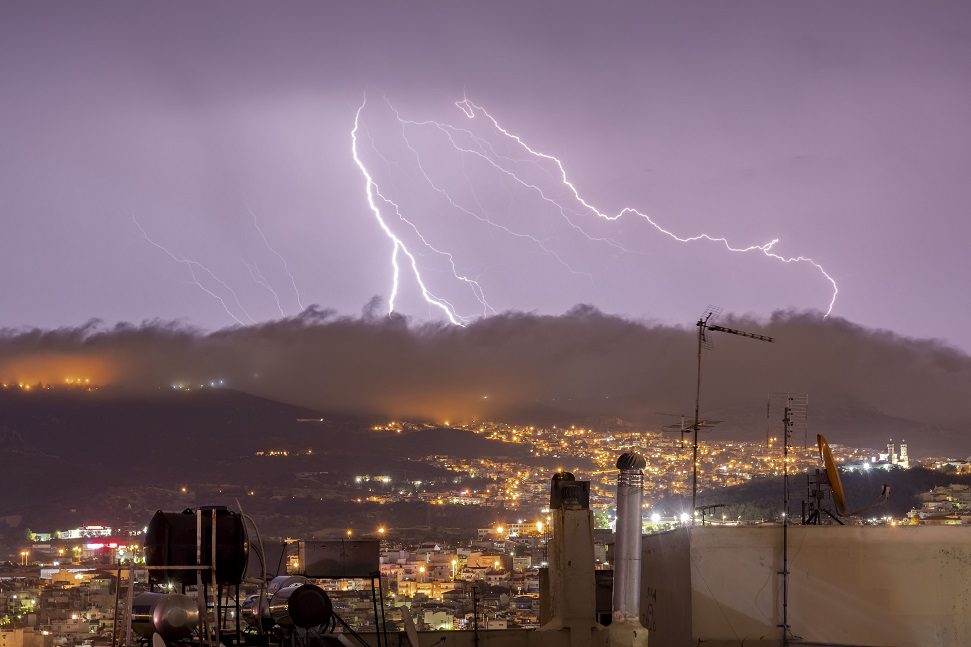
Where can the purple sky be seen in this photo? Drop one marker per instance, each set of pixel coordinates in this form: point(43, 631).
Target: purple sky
point(840, 128)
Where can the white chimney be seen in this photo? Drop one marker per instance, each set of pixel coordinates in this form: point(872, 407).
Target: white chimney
point(626, 628)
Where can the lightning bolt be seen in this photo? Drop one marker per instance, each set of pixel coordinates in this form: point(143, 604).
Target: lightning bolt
point(192, 266)
point(259, 279)
point(551, 165)
point(481, 218)
point(471, 110)
point(472, 283)
point(450, 131)
point(283, 261)
point(373, 193)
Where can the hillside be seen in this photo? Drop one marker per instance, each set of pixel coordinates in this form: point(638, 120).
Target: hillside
point(74, 457)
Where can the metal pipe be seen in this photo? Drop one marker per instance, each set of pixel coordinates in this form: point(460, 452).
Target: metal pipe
point(114, 622)
point(374, 603)
point(217, 589)
point(200, 595)
point(128, 603)
point(627, 545)
point(787, 430)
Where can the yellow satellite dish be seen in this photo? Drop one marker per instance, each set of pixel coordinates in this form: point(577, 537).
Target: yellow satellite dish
point(833, 474)
point(410, 630)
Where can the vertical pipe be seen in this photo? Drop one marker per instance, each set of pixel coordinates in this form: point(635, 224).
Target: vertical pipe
point(200, 595)
point(130, 599)
point(621, 540)
point(114, 622)
point(384, 620)
point(475, 614)
point(627, 545)
point(786, 428)
point(374, 603)
point(217, 589)
point(128, 603)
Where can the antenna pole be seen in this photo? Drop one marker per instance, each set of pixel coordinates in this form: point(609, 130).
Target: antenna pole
point(703, 325)
point(786, 432)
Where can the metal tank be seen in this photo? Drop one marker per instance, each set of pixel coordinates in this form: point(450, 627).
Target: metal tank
point(301, 605)
point(172, 616)
point(627, 545)
point(281, 581)
point(253, 616)
point(173, 538)
point(256, 614)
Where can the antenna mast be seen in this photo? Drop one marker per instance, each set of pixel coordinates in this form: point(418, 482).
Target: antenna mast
point(704, 325)
point(794, 407)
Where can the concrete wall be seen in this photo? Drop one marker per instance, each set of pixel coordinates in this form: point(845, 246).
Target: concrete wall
point(666, 588)
point(24, 637)
point(498, 638)
point(849, 585)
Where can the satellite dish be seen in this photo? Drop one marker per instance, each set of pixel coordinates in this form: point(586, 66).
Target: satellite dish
point(410, 630)
point(833, 474)
point(836, 485)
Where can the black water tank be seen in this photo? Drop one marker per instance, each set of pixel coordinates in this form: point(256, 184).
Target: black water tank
point(171, 541)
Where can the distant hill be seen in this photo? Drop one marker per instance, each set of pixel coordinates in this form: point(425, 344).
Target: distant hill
point(72, 456)
point(177, 433)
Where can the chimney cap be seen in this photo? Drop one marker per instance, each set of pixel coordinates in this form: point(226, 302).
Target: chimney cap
point(631, 461)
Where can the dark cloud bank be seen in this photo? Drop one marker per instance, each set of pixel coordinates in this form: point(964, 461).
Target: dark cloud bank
point(584, 365)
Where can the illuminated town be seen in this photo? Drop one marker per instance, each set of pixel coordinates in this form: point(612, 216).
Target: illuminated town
point(62, 588)
point(591, 454)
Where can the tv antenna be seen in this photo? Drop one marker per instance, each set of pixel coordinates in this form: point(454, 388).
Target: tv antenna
point(787, 416)
point(705, 326)
point(684, 427)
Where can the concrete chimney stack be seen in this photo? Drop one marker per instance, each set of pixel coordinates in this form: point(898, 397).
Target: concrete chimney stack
point(571, 593)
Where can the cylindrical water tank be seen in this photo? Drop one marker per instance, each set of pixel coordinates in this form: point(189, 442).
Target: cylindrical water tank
point(173, 616)
point(301, 605)
point(281, 581)
point(171, 540)
point(253, 615)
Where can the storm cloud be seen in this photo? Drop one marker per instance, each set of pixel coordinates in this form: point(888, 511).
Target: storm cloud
point(580, 365)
